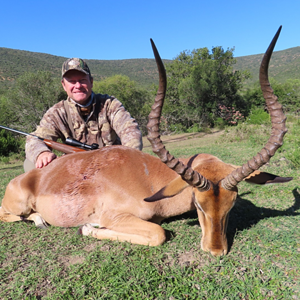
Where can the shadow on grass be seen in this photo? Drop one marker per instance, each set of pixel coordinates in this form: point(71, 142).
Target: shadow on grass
point(12, 168)
point(243, 215)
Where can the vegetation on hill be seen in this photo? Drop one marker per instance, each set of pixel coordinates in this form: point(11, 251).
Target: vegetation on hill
point(13, 63)
point(284, 65)
point(205, 89)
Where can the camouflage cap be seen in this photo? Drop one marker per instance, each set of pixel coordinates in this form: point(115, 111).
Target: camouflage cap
point(75, 64)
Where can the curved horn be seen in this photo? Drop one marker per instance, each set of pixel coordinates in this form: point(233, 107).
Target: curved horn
point(187, 174)
point(278, 125)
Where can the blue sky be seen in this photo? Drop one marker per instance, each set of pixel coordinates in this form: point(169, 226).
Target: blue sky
point(97, 29)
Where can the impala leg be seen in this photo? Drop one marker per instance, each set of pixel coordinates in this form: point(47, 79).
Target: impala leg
point(8, 217)
point(128, 228)
point(35, 217)
point(16, 204)
point(38, 220)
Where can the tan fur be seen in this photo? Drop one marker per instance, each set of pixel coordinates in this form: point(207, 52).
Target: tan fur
point(107, 187)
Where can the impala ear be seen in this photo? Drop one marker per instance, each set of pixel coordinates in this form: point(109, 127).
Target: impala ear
point(175, 187)
point(258, 177)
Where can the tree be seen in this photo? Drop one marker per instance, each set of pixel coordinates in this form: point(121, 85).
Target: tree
point(290, 97)
point(135, 99)
point(199, 82)
point(287, 92)
point(8, 143)
point(7, 114)
point(31, 96)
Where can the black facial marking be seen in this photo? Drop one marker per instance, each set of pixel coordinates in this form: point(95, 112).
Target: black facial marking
point(216, 189)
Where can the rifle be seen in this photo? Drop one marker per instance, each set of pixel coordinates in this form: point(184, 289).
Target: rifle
point(71, 145)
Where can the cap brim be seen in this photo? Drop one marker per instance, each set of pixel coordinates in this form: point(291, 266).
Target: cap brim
point(82, 71)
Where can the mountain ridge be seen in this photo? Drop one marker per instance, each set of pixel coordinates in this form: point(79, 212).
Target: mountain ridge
point(285, 64)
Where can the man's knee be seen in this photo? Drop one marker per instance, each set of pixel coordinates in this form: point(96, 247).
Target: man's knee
point(28, 165)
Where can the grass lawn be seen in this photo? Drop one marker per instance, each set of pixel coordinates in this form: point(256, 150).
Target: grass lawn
point(263, 233)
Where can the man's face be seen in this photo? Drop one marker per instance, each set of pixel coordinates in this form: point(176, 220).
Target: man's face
point(78, 86)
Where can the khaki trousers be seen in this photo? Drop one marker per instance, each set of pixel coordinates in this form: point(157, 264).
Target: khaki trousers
point(28, 165)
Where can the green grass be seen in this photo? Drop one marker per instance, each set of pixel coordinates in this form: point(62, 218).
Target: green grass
point(263, 261)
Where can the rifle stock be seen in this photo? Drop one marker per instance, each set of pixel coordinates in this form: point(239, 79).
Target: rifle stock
point(62, 147)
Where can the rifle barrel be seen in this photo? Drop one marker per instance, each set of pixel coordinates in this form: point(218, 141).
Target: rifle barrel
point(59, 146)
point(21, 132)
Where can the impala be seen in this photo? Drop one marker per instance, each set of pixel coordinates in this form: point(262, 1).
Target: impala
point(119, 193)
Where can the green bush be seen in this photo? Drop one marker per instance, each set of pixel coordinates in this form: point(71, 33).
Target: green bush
point(220, 123)
point(177, 128)
point(8, 143)
point(194, 128)
point(258, 116)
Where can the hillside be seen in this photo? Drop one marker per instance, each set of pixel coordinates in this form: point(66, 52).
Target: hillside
point(284, 65)
point(13, 63)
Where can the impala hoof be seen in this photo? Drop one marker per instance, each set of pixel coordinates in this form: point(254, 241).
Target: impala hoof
point(85, 229)
point(39, 221)
point(42, 226)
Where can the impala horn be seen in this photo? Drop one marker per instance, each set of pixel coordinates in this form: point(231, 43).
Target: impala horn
point(278, 125)
point(187, 174)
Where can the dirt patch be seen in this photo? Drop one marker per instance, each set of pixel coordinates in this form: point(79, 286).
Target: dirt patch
point(90, 247)
point(187, 258)
point(71, 260)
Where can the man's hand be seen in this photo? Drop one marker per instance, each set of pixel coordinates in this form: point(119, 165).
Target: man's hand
point(44, 159)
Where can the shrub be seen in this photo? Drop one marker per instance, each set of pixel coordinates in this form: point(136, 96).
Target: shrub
point(220, 123)
point(258, 116)
point(177, 128)
point(8, 143)
point(194, 128)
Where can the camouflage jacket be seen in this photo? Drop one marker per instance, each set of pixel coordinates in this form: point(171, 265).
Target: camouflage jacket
point(107, 124)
